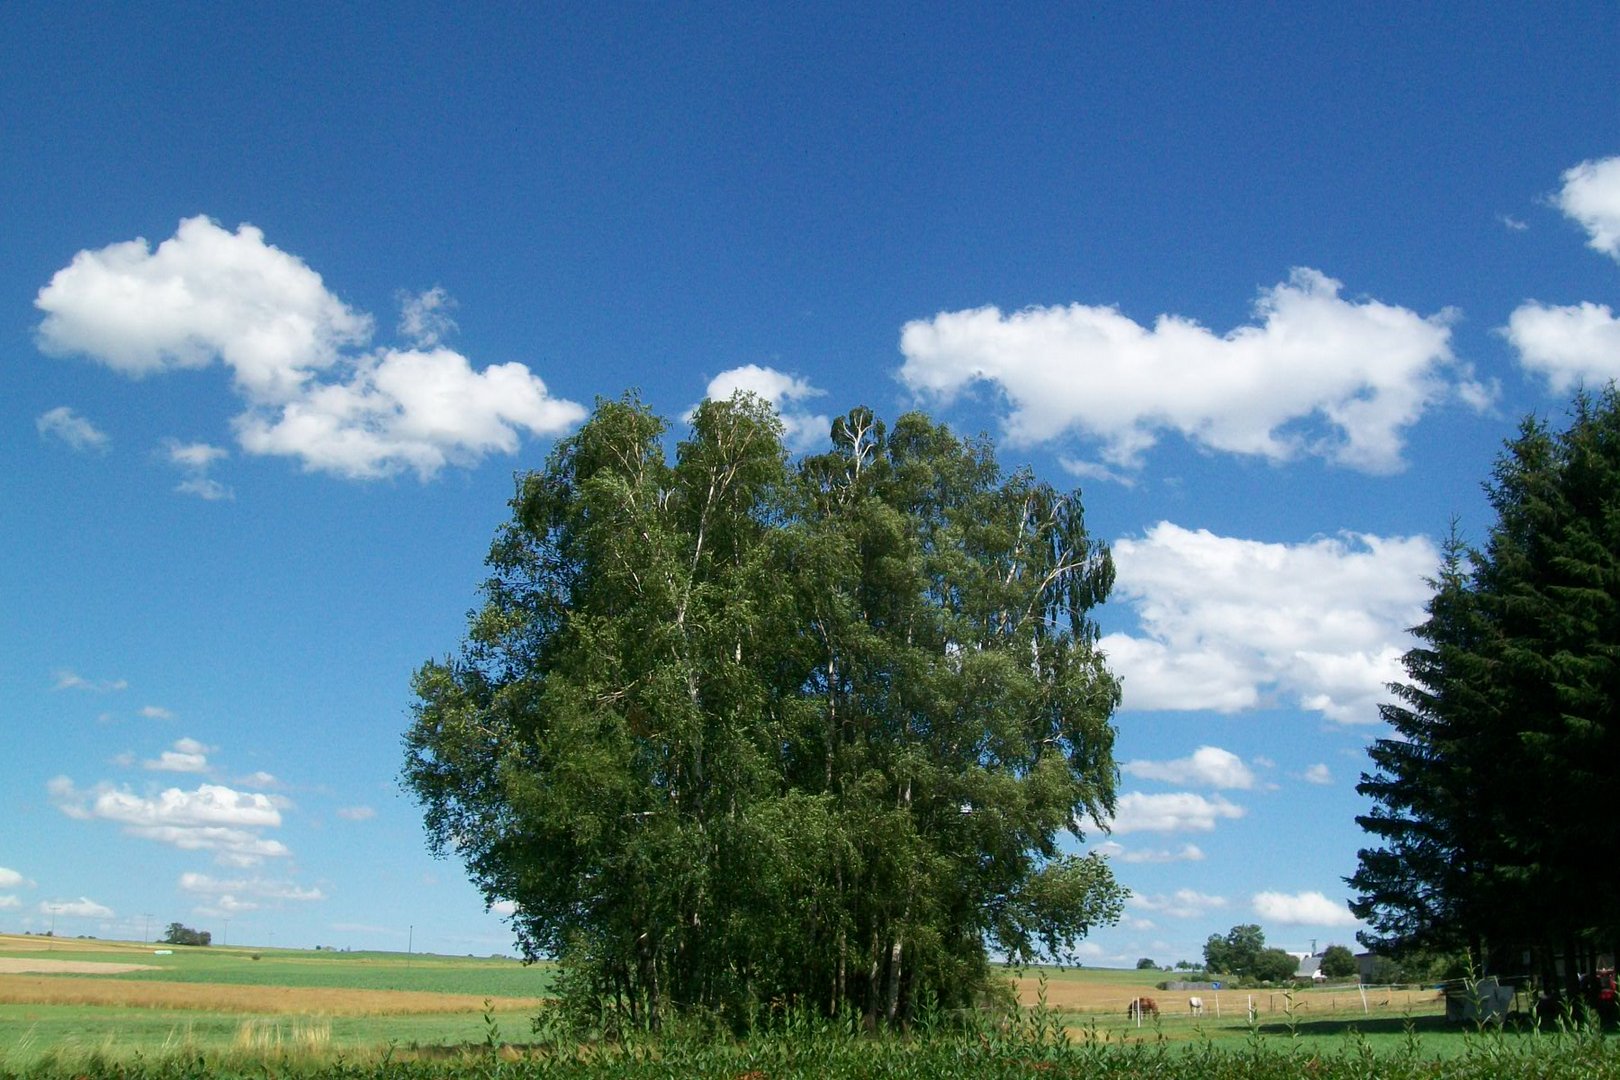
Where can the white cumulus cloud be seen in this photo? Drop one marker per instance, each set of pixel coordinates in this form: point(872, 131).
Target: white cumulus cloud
point(1225, 622)
point(1566, 344)
point(1315, 374)
point(298, 355)
point(82, 908)
point(407, 410)
point(1319, 774)
point(356, 813)
point(211, 817)
point(257, 888)
point(194, 460)
point(207, 805)
point(204, 294)
point(1180, 811)
point(1121, 853)
point(424, 318)
point(70, 680)
point(1302, 909)
point(1208, 766)
point(187, 756)
point(1591, 198)
point(786, 393)
point(67, 426)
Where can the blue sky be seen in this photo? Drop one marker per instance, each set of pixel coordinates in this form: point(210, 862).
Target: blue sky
point(288, 294)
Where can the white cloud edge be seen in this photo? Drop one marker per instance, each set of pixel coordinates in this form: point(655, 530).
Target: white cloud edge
point(786, 393)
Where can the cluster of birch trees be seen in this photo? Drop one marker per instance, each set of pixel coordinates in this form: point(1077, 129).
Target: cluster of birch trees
point(735, 731)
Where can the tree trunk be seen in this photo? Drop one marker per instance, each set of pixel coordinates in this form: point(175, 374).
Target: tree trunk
point(893, 1007)
point(873, 987)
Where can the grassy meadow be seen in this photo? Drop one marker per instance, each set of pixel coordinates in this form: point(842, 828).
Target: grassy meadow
point(112, 1008)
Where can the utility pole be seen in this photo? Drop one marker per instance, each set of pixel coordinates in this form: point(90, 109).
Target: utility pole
point(146, 927)
point(410, 942)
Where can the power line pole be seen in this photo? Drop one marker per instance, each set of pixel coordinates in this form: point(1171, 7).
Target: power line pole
point(146, 927)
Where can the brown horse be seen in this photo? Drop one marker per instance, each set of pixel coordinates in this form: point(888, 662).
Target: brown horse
point(1142, 1006)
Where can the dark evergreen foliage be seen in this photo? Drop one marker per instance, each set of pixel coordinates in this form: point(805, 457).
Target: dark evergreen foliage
point(1494, 795)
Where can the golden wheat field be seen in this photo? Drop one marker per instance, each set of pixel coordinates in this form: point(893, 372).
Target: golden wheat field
point(1107, 992)
point(215, 997)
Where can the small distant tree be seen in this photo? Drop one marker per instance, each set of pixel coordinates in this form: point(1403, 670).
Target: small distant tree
point(1147, 963)
point(180, 934)
point(1338, 962)
point(1234, 953)
point(1273, 965)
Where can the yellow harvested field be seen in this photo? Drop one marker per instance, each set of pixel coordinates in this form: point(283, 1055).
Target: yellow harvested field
point(1079, 995)
point(41, 943)
point(219, 997)
point(44, 965)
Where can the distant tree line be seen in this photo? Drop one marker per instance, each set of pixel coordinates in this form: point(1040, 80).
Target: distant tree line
point(1242, 951)
point(1494, 820)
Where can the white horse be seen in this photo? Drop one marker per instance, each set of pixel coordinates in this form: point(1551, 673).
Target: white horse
point(1195, 1005)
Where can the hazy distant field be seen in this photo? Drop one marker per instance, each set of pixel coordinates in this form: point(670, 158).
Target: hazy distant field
point(217, 997)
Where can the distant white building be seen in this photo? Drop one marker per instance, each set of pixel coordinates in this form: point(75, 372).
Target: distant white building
point(1310, 966)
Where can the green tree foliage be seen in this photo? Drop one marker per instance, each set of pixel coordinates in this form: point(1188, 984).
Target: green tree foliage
point(178, 934)
point(1273, 965)
point(1492, 796)
point(1147, 963)
point(1234, 953)
point(1338, 962)
point(729, 730)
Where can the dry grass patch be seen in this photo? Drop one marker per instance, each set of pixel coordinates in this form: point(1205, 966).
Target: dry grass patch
point(1081, 995)
point(19, 965)
point(31, 943)
point(225, 998)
